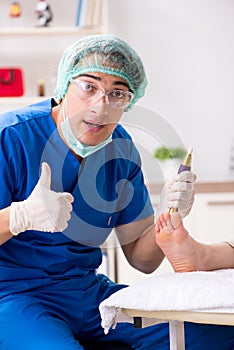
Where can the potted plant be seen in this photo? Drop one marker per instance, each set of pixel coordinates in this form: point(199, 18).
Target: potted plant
point(162, 153)
point(169, 160)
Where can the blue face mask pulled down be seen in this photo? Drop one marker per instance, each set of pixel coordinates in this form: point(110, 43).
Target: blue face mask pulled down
point(79, 148)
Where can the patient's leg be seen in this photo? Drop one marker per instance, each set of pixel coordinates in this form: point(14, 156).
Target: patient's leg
point(183, 252)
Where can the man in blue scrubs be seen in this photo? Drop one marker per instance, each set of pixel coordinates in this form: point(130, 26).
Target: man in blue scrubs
point(69, 174)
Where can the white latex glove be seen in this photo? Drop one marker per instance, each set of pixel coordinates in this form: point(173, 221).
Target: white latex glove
point(44, 210)
point(179, 193)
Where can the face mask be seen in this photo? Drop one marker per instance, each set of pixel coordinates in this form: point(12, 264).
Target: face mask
point(79, 148)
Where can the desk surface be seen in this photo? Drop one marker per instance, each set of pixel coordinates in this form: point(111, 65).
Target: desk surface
point(189, 316)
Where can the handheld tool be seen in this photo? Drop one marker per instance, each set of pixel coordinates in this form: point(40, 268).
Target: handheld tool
point(184, 166)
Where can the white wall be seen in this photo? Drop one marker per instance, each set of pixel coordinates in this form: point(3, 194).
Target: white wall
point(188, 50)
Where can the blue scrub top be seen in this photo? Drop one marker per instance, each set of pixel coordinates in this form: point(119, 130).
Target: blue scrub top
point(108, 189)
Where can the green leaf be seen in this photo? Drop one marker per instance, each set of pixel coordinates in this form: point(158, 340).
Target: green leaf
point(162, 153)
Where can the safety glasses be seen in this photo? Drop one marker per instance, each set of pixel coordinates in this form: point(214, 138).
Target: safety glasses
point(116, 98)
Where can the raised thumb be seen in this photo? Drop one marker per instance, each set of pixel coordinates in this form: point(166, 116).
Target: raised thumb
point(45, 178)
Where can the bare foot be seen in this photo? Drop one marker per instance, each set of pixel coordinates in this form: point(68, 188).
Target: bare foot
point(183, 252)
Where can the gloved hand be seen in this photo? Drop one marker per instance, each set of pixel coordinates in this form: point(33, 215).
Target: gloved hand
point(179, 193)
point(44, 210)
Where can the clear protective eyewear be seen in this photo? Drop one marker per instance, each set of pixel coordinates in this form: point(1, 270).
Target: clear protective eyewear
point(117, 98)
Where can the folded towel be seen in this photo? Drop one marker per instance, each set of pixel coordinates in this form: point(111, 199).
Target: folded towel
point(211, 291)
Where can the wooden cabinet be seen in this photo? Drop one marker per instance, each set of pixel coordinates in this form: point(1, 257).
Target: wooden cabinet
point(211, 217)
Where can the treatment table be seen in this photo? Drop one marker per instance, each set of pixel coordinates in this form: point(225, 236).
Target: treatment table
point(176, 320)
point(198, 297)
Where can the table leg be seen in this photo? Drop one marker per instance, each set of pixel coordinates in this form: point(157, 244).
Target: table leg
point(176, 329)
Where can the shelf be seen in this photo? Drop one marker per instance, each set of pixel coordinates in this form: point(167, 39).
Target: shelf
point(40, 31)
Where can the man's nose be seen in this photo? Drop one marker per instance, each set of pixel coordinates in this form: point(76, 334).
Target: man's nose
point(103, 99)
point(100, 107)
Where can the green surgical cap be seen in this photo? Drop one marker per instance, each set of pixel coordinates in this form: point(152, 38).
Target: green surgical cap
point(102, 53)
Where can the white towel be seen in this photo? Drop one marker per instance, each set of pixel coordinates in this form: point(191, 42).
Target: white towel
point(211, 291)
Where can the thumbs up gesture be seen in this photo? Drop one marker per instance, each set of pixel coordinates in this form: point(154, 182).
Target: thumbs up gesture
point(44, 210)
